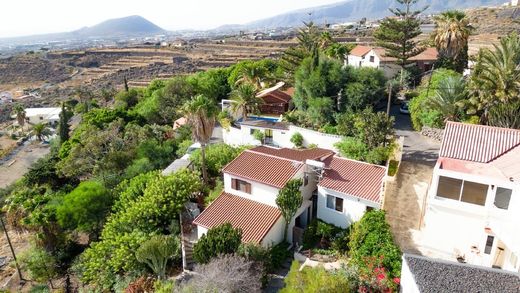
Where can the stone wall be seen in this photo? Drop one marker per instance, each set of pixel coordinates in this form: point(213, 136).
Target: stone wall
point(433, 133)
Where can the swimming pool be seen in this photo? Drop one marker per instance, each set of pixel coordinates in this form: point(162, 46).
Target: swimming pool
point(270, 119)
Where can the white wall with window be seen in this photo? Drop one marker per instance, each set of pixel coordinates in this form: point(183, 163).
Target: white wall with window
point(473, 216)
point(341, 209)
point(259, 192)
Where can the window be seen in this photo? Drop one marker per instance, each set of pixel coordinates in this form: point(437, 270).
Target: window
point(489, 244)
point(502, 198)
point(474, 193)
point(252, 131)
point(335, 203)
point(41, 117)
point(241, 185)
point(465, 191)
point(368, 209)
point(372, 59)
point(305, 179)
point(513, 260)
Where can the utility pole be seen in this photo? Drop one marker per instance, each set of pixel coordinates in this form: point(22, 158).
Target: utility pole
point(389, 99)
point(12, 250)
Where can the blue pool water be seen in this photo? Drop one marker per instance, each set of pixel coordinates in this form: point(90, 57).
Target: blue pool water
point(270, 119)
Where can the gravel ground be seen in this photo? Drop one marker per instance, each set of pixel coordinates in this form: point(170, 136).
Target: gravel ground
point(23, 158)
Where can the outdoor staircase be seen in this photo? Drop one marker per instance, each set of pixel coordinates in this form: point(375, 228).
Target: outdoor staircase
point(187, 254)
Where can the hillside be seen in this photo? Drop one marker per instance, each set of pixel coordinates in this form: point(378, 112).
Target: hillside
point(354, 10)
point(131, 25)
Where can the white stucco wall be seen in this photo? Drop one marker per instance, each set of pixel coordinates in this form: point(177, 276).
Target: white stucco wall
point(201, 231)
point(275, 235)
point(259, 192)
point(353, 208)
point(408, 284)
point(354, 60)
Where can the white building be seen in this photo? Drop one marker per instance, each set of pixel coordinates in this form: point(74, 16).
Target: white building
point(335, 190)
point(277, 134)
point(473, 208)
point(365, 56)
point(49, 116)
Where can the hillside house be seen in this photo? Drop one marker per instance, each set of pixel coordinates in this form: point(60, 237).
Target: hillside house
point(473, 207)
point(336, 190)
point(276, 100)
point(366, 56)
point(50, 116)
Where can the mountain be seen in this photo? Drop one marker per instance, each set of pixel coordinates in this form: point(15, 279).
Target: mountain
point(130, 25)
point(354, 10)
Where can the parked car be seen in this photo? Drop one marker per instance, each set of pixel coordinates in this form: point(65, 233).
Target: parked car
point(190, 150)
point(404, 108)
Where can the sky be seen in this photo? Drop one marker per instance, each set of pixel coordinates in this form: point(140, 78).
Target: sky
point(29, 17)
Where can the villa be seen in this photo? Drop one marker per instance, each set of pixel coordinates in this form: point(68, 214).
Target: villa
point(473, 207)
point(374, 57)
point(334, 189)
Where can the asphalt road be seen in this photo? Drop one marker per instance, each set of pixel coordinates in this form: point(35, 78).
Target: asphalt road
point(417, 148)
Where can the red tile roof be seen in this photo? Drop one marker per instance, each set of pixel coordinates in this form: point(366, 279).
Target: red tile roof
point(354, 178)
point(263, 168)
point(360, 51)
point(295, 154)
point(430, 54)
point(477, 143)
point(254, 218)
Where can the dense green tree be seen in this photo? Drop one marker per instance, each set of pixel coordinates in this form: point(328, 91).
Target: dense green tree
point(63, 125)
point(496, 77)
point(85, 208)
point(398, 34)
point(157, 251)
point(127, 99)
point(212, 83)
point(201, 113)
point(217, 157)
point(297, 140)
point(325, 80)
point(366, 87)
point(244, 100)
point(289, 200)
point(308, 38)
point(451, 35)
point(223, 239)
point(40, 264)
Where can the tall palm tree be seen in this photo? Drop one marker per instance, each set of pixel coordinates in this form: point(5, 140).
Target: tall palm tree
point(245, 101)
point(325, 40)
point(201, 113)
point(19, 111)
point(496, 76)
point(252, 74)
point(451, 34)
point(41, 130)
point(449, 97)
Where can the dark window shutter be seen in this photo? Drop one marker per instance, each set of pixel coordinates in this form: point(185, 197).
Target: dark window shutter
point(248, 187)
point(234, 183)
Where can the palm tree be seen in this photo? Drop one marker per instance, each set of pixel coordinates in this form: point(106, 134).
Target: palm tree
point(245, 101)
point(496, 76)
point(201, 113)
point(449, 97)
point(19, 111)
point(41, 130)
point(252, 74)
point(325, 40)
point(451, 34)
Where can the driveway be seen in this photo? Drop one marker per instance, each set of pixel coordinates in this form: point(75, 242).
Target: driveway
point(406, 196)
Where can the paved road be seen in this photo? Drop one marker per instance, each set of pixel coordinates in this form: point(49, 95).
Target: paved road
point(417, 148)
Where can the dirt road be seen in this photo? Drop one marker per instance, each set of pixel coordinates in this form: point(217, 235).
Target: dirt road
point(23, 159)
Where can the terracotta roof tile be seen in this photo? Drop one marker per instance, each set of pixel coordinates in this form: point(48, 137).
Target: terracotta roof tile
point(263, 168)
point(254, 218)
point(360, 51)
point(294, 154)
point(477, 143)
point(354, 178)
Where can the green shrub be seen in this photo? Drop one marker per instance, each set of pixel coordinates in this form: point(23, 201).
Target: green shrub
point(472, 120)
point(183, 147)
point(215, 192)
point(340, 241)
point(314, 280)
point(277, 255)
point(297, 140)
point(217, 156)
point(40, 264)
point(392, 167)
point(40, 288)
point(259, 135)
point(370, 239)
point(223, 239)
point(352, 148)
